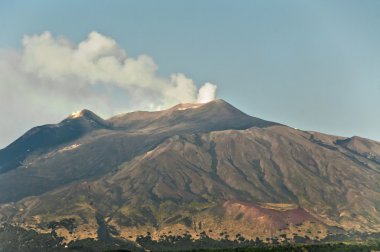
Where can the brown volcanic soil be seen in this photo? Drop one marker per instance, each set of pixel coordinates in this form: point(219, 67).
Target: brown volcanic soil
point(263, 216)
point(194, 169)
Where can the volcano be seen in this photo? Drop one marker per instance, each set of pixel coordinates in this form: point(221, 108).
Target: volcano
point(194, 170)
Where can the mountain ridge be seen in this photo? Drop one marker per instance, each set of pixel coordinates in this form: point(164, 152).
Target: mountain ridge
point(193, 168)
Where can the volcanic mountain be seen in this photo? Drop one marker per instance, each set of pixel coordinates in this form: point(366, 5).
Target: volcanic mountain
point(195, 169)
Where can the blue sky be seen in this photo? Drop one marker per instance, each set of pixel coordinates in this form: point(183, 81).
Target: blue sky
point(314, 65)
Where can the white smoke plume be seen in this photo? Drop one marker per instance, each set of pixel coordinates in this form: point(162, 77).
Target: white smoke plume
point(50, 77)
point(207, 93)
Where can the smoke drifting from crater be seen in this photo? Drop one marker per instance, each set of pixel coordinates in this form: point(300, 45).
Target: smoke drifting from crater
point(99, 60)
point(207, 93)
point(51, 76)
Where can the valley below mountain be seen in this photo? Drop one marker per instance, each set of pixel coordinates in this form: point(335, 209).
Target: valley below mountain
point(200, 175)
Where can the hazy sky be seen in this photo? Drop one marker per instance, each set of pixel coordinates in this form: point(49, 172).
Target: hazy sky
point(314, 65)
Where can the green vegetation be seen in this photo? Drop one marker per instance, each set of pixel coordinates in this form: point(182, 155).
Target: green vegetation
point(339, 247)
point(19, 239)
point(186, 243)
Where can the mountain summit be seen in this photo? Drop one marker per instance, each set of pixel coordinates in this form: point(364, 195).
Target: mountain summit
point(195, 117)
point(195, 169)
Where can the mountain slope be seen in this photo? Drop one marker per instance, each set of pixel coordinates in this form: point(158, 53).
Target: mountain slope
point(49, 136)
point(195, 169)
point(84, 146)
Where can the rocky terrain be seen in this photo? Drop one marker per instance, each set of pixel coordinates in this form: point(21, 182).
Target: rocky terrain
point(194, 171)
